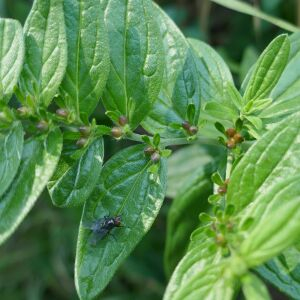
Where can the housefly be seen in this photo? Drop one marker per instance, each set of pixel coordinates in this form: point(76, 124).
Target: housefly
point(102, 227)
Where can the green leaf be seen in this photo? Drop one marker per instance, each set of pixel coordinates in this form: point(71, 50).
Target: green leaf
point(136, 53)
point(286, 92)
point(276, 230)
point(11, 56)
point(220, 112)
point(186, 162)
point(88, 56)
point(184, 212)
point(180, 86)
point(204, 280)
point(274, 157)
point(125, 188)
point(214, 74)
point(39, 160)
point(254, 288)
point(283, 272)
point(268, 69)
point(46, 52)
point(252, 11)
point(11, 146)
point(76, 183)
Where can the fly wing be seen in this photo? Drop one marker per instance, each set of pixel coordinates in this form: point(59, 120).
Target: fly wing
point(98, 236)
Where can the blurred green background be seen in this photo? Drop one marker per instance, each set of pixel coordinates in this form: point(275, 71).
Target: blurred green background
point(37, 262)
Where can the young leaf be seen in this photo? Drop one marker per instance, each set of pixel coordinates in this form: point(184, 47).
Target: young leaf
point(11, 56)
point(88, 56)
point(254, 288)
point(268, 69)
point(46, 52)
point(273, 158)
point(180, 86)
point(183, 215)
point(77, 182)
point(39, 160)
point(136, 53)
point(128, 189)
point(11, 146)
point(286, 92)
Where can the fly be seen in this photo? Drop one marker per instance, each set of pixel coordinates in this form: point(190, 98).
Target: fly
point(102, 227)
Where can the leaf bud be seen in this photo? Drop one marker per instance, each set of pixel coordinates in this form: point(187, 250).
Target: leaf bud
point(123, 120)
point(186, 125)
point(23, 111)
point(222, 190)
point(42, 125)
point(193, 130)
point(116, 132)
point(155, 157)
point(85, 130)
point(81, 142)
point(231, 143)
point(149, 150)
point(230, 132)
point(62, 112)
point(238, 138)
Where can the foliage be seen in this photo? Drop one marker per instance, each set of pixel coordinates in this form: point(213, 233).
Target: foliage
point(234, 220)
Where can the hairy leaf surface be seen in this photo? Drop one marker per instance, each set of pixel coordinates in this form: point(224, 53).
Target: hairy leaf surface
point(39, 159)
point(11, 146)
point(77, 182)
point(11, 56)
point(46, 52)
point(136, 58)
point(126, 188)
point(88, 56)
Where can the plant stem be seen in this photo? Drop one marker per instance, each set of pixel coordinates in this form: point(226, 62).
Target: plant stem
point(175, 141)
point(229, 163)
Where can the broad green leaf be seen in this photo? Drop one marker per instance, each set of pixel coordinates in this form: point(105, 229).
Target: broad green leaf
point(197, 258)
point(268, 69)
point(46, 52)
point(252, 11)
point(137, 60)
point(206, 281)
point(39, 160)
point(88, 56)
point(213, 72)
point(11, 56)
point(276, 231)
point(286, 93)
point(128, 189)
point(183, 216)
point(76, 183)
point(254, 288)
point(220, 98)
point(11, 146)
point(271, 159)
point(184, 163)
point(180, 86)
point(283, 272)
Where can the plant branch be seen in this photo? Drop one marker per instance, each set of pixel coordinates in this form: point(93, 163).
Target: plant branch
point(175, 141)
